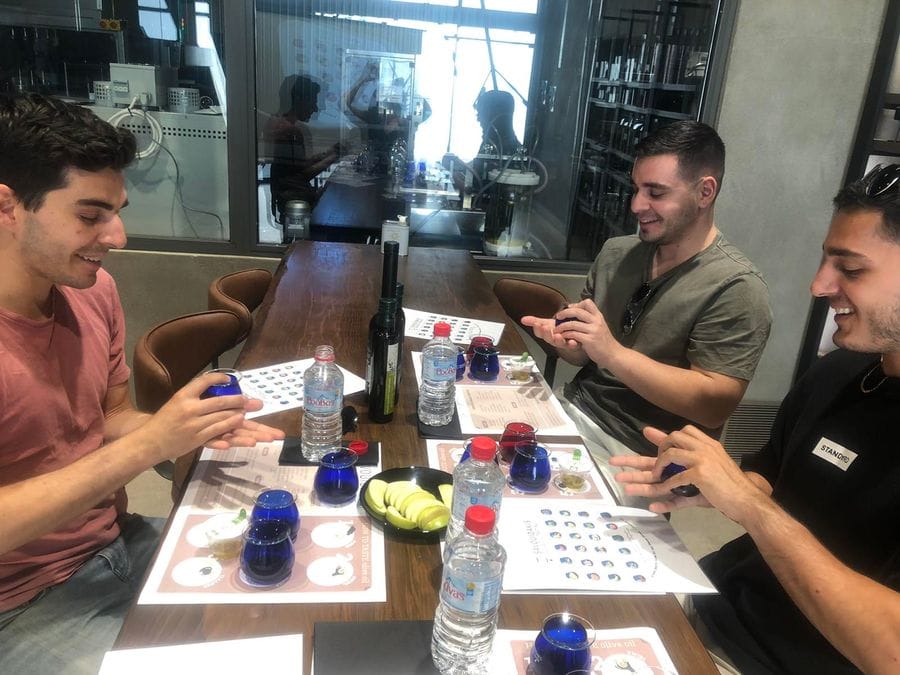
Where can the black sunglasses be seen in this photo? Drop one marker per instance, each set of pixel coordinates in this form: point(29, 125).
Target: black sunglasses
point(883, 181)
point(635, 306)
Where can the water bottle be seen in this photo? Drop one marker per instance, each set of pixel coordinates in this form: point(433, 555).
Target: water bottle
point(323, 399)
point(466, 616)
point(478, 480)
point(438, 378)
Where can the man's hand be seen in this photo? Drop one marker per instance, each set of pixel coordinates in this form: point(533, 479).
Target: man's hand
point(588, 330)
point(721, 482)
point(186, 421)
point(547, 330)
point(642, 482)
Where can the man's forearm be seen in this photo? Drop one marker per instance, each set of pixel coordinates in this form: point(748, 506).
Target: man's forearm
point(57, 497)
point(859, 616)
point(692, 394)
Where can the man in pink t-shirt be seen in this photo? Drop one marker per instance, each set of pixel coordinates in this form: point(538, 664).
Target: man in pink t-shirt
point(70, 438)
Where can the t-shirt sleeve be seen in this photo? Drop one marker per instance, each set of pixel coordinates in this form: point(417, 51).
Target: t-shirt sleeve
point(119, 372)
point(731, 333)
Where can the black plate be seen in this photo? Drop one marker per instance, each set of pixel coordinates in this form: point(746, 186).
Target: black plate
point(423, 476)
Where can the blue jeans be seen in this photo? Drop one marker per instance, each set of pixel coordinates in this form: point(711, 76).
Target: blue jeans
point(68, 628)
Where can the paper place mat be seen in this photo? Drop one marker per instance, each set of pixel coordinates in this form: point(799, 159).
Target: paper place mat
point(628, 651)
point(445, 455)
point(487, 407)
point(281, 654)
point(421, 325)
point(339, 555)
point(280, 386)
point(591, 547)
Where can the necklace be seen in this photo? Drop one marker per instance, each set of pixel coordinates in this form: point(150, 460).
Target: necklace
point(862, 383)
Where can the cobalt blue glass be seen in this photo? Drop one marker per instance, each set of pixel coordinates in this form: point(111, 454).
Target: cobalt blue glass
point(229, 388)
point(485, 365)
point(460, 363)
point(336, 481)
point(689, 490)
point(562, 646)
point(277, 504)
point(268, 554)
point(530, 469)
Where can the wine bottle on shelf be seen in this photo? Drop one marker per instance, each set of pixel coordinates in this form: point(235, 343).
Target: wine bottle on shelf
point(382, 362)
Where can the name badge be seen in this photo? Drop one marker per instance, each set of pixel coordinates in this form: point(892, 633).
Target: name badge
point(835, 453)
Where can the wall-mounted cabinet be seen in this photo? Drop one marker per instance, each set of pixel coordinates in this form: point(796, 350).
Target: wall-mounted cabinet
point(650, 66)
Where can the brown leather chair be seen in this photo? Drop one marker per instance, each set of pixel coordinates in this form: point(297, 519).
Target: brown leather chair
point(170, 355)
point(240, 293)
point(521, 298)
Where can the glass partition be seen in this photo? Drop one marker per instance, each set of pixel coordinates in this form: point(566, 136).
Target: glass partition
point(154, 67)
point(367, 112)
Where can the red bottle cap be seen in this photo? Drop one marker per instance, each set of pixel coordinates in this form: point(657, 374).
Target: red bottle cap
point(442, 329)
point(483, 448)
point(480, 519)
point(358, 447)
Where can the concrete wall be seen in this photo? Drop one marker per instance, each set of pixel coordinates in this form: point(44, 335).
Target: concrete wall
point(796, 78)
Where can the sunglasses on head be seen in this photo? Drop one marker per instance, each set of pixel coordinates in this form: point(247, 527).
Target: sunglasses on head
point(883, 181)
point(635, 306)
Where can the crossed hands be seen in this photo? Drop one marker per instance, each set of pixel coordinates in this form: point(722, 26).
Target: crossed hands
point(721, 482)
point(584, 332)
point(186, 421)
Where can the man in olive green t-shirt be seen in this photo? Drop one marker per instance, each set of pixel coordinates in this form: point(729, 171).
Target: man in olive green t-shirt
point(673, 320)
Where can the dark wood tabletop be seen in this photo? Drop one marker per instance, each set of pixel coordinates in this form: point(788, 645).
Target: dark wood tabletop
point(325, 293)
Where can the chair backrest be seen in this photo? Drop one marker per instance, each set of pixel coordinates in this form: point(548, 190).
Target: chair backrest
point(240, 293)
point(522, 298)
point(172, 353)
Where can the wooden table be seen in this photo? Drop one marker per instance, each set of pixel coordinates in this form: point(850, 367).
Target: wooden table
point(324, 293)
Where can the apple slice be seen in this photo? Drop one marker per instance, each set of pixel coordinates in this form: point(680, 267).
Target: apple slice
point(446, 491)
point(430, 514)
point(395, 518)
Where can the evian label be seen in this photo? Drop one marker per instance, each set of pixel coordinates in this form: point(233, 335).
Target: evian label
point(834, 453)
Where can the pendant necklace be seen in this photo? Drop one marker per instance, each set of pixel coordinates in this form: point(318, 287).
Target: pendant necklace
point(862, 383)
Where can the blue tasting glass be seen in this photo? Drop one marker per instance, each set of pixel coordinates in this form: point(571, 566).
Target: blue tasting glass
point(460, 363)
point(688, 490)
point(229, 388)
point(485, 365)
point(530, 469)
point(336, 479)
point(268, 554)
point(562, 646)
point(277, 504)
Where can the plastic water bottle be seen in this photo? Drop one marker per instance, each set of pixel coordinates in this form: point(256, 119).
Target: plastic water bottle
point(323, 399)
point(466, 618)
point(478, 480)
point(438, 378)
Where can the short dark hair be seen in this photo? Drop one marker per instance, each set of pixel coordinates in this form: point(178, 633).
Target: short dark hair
point(41, 138)
point(698, 147)
point(855, 197)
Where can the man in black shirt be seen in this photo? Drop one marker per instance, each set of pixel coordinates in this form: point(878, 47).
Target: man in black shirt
point(813, 585)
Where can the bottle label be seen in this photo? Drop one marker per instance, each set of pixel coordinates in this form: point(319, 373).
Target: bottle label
point(470, 596)
point(441, 369)
point(390, 378)
point(322, 400)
